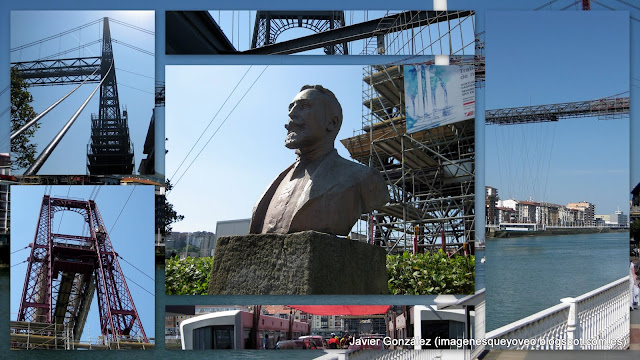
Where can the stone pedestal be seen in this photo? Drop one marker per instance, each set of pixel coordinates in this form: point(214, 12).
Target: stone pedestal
point(304, 263)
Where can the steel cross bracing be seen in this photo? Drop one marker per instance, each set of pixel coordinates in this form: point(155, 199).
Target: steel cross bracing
point(606, 108)
point(430, 174)
point(64, 271)
point(270, 24)
point(59, 71)
point(110, 150)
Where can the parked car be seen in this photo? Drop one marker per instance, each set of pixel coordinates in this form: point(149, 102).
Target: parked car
point(291, 345)
point(313, 341)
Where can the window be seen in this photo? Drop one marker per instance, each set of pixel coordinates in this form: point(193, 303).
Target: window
point(213, 337)
point(223, 336)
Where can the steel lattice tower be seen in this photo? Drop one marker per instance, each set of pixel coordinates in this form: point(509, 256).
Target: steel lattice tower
point(110, 151)
point(64, 271)
point(270, 24)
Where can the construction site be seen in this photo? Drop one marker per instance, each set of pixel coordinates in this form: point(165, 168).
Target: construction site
point(430, 173)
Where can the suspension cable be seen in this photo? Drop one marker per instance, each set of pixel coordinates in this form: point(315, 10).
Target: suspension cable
point(54, 36)
point(140, 286)
point(33, 169)
point(210, 122)
point(132, 47)
point(27, 125)
point(223, 121)
point(143, 273)
point(146, 31)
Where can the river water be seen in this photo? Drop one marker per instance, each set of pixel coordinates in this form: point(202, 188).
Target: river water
point(525, 275)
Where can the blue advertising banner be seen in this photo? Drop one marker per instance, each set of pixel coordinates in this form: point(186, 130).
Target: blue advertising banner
point(437, 95)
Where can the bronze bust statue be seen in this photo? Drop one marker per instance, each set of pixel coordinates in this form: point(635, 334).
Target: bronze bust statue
point(320, 191)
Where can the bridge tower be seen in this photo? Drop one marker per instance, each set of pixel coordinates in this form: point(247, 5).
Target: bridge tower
point(64, 271)
point(270, 24)
point(110, 150)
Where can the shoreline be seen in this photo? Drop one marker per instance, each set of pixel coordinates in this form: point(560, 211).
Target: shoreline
point(503, 234)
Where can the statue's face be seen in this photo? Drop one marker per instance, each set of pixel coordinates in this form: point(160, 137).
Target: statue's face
point(307, 124)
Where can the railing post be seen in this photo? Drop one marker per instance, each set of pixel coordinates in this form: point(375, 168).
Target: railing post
point(572, 324)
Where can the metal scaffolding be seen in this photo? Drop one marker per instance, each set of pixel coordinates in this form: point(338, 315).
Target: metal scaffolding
point(430, 174)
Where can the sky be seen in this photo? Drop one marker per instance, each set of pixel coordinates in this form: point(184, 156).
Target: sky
point(134, 73)
point(546, 58)
point(238, 26)
point(130, 228)
point(248, 151)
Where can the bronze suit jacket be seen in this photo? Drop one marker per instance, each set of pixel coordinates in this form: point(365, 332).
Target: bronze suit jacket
point(338, 193)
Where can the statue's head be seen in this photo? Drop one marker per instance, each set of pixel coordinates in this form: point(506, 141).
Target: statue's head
point(315, 117)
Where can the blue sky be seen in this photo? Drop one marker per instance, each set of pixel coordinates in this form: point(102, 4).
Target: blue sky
point(248, 151)
point(546, 58)
point(132, 237)
point(134, 72)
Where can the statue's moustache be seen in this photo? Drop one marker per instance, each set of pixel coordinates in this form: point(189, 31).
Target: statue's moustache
point(292, 126)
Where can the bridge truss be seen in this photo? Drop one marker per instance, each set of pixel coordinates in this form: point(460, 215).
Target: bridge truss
point(396, 33)
point(606, 108)
point(270, 24)
point(64, 271)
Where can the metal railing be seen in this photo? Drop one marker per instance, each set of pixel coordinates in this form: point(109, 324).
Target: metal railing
point(597, 320)
point(439, 354)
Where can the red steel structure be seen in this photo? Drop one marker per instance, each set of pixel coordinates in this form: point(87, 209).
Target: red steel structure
point(64, 271)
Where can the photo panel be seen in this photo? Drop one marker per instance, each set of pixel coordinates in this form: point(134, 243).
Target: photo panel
point(82, 267)
point(557, 180)
point(391, 209)
point(344, 32)
point(439, 329)
point(70, 113)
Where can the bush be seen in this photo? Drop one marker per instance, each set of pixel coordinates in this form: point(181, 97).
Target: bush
point(187, 277)
point(430, 274)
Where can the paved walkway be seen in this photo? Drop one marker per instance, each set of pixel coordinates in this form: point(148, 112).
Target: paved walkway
point(635, 331)
point(561, 355)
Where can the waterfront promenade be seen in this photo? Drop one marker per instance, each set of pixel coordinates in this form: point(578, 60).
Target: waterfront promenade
point(632, 353)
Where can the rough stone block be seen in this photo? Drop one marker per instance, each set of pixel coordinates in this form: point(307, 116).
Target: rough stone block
point(302, 263)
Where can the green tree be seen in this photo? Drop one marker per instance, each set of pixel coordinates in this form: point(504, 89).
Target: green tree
point(23, 151)
point(170, 215)
point(189, 276)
